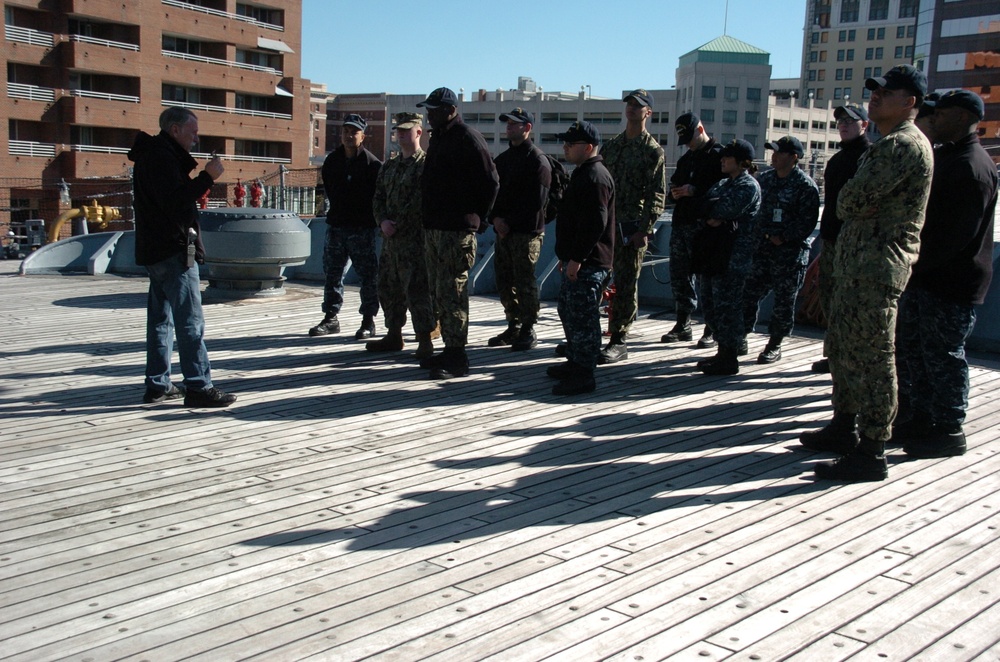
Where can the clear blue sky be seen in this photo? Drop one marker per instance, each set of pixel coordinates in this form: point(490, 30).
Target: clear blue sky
point(413, 47)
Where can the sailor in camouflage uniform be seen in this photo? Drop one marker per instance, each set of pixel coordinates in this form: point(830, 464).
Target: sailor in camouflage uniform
point(585, 244)
point(723, 251)
point(402, 278)
point(883, 209)
point(789, 211)
point(636, 162)
point(951, 276)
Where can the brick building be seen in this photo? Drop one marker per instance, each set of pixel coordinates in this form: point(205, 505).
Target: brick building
point(83, 76)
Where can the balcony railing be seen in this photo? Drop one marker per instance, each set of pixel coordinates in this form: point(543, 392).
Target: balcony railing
point(31, 148)
point(225, 63)
point(242, 157)
point(104, 42)
point(99, 149)
point(231, 111)
point(31, 92)
point(28, 36)
point(104, 95)
point(216, 12)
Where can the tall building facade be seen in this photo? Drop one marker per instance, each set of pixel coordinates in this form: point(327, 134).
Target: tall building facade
point(958, 47)
point(847, 41)
point(83, 76)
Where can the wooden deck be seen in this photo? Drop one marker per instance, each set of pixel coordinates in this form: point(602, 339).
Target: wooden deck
point(346, 508)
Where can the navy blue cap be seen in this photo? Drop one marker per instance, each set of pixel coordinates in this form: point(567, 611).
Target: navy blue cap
point(642, 97)
point(741, 150)
point(442, 96)
point(901, 77)
point(356, 121)
point(580, 132)
point(852, 111)
point(963, 99)
point(686, 125)
point(519, 115)
point(788, 145)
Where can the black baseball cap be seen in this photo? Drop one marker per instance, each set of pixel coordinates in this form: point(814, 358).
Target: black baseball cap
point(741, 150)
point(580, 132)
point(787, 145)
point(927, 107)
point(356, 121)
point(963, 99)
point(519, 115)
point(852, 111)
point(686, 125)
point(442, 96)
point(642, 97)
point(901, 77)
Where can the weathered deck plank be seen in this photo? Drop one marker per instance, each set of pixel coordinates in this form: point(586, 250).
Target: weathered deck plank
point(346, 508)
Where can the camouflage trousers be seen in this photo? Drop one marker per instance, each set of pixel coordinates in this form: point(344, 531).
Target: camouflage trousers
point(826, 276)
point(625, 269)
point(930, 345)
point(402, 284)
point(514, 260)
point(580, 316)
point(682, 281)
point(860, 344)
point(780, 269)
point(358, 246)
point(722, 303)
point(450, 255)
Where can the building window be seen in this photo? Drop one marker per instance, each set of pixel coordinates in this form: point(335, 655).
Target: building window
point(840, 74)
point(813, 56)
point(871, 34)
point(261, 14)
point(817, 125)
point(869, 53)
point(822, 74)
point(879, 53)
point(849, 11)
point(822, 56)
point(799, 124)
point(850, 55)
point(842, 36)
point(899, 52)
point(848, 74)
point(900, 32)
point(753, 94)
point(708, 91)
point(878, 10)
point(866, 93)
point(836, 93)
point(824, 37)
point(847, 93)
point(729, 117)
point(816, 144)
point(911, 30)
point(752, 117)
point(732, 94)
point(814, 38)
point(812, 74)
point(880, 34)
point(728, 138)
point(178, 45)
point(708, 114)
point(840, 55)
point(868, 72)
point(750, 138)
point(851, 35)
point(820, 94)
point(908, 52)
point(779, 124)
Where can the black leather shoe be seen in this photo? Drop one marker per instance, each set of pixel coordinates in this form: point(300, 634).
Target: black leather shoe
point(505, 338)
point(575, 385)
point(680, 333)
point(451, 363)
point(367, 329)
point(151, 396)
point(822, 366)
point(614, 351)
point(525, 339)
point(771, 353)
point(707, 340)
point(854, 468)
point(213, 397)
point(330, 324)
point(839, 436)
point(721, 365)
point(940, 442)
point(566, 370)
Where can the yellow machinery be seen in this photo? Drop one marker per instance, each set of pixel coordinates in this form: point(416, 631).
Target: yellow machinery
point(94, 213)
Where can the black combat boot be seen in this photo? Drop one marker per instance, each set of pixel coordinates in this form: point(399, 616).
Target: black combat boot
point(330, 324)
point(840, 435)
point(723, 363)
point(682, 330)
point(707, 340)
point(525, 339)
point(771, 353)
point(506, 337)
point(367, 329)
point(941, 440)
point(614, 351)
point(866, 463)
point(454, 362)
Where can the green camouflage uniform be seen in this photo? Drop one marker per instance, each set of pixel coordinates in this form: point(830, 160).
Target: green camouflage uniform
point(402, 277)
point(637, 166)
point(450, 255)
point(883, 210)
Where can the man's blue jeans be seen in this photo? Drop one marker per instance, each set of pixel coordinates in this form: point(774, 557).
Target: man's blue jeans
point(175, 301)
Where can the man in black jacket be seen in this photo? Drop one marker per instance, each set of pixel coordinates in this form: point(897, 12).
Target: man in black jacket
point(518, 217)
point(697, 170)
point(349, 175)
point(951, 275)
point(585, 246)
point(852, 123)
point(459, 185)
point(168, 244)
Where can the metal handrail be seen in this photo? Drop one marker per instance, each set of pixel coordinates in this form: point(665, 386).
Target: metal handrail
point(100, 149)
point(31, 92)
point(103, 95)
point(30, 148)
point(241, 157)
point(29, 36)
point(216, 12)
point(226, 63)
point(104, 42)
point(225, 109)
